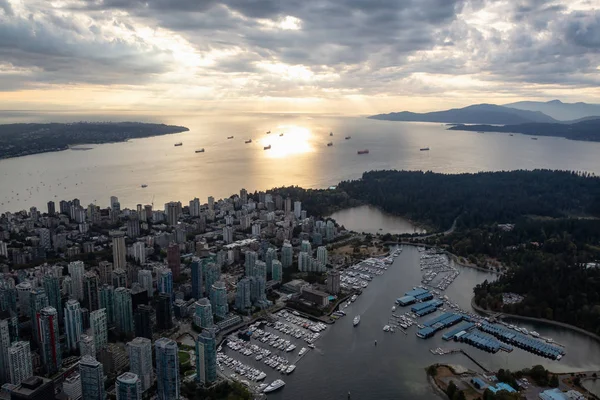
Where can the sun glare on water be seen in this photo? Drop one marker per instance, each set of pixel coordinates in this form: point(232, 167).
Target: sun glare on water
point(295, 140)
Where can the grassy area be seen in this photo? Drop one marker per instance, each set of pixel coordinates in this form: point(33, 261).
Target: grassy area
point(184, 357)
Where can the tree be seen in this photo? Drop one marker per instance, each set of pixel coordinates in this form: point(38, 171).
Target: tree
point(553, 381)
point(451, 389)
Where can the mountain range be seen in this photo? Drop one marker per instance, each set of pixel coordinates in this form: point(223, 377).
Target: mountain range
point(524, 112)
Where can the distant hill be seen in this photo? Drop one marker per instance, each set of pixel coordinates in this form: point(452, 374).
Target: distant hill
point(588, 129)
point(475, 114)
point(559, 110)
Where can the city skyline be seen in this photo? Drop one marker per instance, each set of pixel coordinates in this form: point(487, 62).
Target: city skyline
point(348, 57)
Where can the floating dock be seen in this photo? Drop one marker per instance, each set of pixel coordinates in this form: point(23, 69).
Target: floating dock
point(522, 341)
point(464, 327)
point(438, 323)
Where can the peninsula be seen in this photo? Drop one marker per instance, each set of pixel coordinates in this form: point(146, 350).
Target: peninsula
point(23, 139)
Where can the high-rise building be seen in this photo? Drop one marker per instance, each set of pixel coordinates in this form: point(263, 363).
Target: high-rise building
point(92, 379)
point(98, 326)
point(164, 312)
point(139, 252)
point(243, 196)
point(297, 209)
point(306, 247)
point(167, 369)
point(123, 310)
point(133, 227)
point(270, 256)
point(52, 288)
point(119, 278)
point(211, 203)
point(211, 271)
point(4, 354)
point(196, 267)
point(228, 234)
point(164, 281)
point(72, 386)
point(107, 301)
point(256, 229)
point(139, 351)
point(250, 262)
point(195, 207)
point(77, 270)
point(23, 290)
point(73, 323)
point(174, 260)
point(288, 206)
point(243, 300)
point(91, 299)
point(87, 346)
point(128, 387)
point(276, 271)
point(322, 256)
point(37, 301)
point(33, 388)
point(143, 321)
point(218, 299)
point(333, 282)
point(19, 366)
point(173, 211)
point(257, 292)
point(260, 270)
point(304, 261)
point(49, 340)
point(51, 208)
point(287, 254)
point(330, 230)
point(206, 357)
point(203, 314)
point(119, 250)
point(145, 279)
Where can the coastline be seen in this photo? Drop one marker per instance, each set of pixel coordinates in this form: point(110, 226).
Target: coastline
point(532, 319)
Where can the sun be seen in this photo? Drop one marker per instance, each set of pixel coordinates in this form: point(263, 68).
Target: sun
point(287, 140)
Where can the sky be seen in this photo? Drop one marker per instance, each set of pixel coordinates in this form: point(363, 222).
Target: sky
point(315, 56)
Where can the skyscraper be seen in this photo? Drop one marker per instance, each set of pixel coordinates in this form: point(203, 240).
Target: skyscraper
point(19, 365)
point(128, 387)
point(174, 260)
point(87, 347)
point(139, 252)
point(260, 270)
point(243, 300)
point(250, 262)
point(211, 203)
point(288, 206)
point(119, 249)
point(167, 369)
point(123, 310)
point(106, 270)
point(287, 255)
point(139, 351)
point(165, 281)
point(218, 299)
point(164, 312)
point(119, 278)
point(297, 209)
point(322, 256)
point(333, 282)
point(145, 279)
point(195, 207)
point(303, 261)
point(107, 301)
point(228, 234)
point(203, 314)
point(73, 323)
point(72, 386)
point(172, 211)
point(276, 271)
point(270, 256)
point(23, 290)
point(330, 230)
point(133, 227)
point(76, 270)
point(90, 291)
point(49, 339)
point(37, 301)
point(4, 354)
point(51, 208)
point(206, 357)
point(211, 271)
point(306, 247)
point(98, 326)
point(143, 321)
point(196, 278)
point(52, 288)
point(92, 379)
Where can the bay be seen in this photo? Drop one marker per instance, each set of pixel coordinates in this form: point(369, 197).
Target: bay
point(299, 157)
point(370, 219)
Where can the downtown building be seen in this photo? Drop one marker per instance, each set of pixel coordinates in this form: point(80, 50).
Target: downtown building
point(73, 323)
point(218, 299)
point(123, 311)
point(139, 351)
point(19, 365)
point(167, 369)
point(92, 379)
point(99, 328)
point(128, 387)
point(206, 357)
point(203, 314)
point(49, 340)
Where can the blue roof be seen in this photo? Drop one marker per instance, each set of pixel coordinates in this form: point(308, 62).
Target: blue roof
point(505, 386)
point(438, 319)
point(482, 384)
point(552, 394)
point(425, 331)
point(405, 299)
point(425, 311)
point(424, 296)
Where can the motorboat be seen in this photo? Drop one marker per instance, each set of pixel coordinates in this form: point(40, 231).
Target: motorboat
point(302, 351)
point(290, 369)
point(356, 320)
point(277, 384)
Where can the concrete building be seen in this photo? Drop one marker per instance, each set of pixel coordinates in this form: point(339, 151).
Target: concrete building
point(23, 290)
point(306, 247)
point(203, 314)
point(123, 310)
point(119, 250)
point(139, 252)
point(91, 300)
point(106, 269)
point(99, 329)
point(297, 209)
point(77, 270)
point(276, 271)
point(287, 254)
point(107, 301)
point(174, 260)
point(145, 279)
point(250, 258)
point(322, 256)
point(19, 366)
point(87, 346)
point(73, 323)
point(172, 212)
point(333, 282)
point(320, 299)
point(243, 300)
point(5, 342)
point(33, 388)
point(196, 267)
point(164, 282)
point(49, 340)
point(119, 278)
point(228, 234)
point(72, 386)
point(167, 369)
point(139, 351)
point(92, 379)
point(218, 299)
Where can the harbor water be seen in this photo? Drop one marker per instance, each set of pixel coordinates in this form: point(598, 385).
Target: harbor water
point(370, 219)
point(346, 359)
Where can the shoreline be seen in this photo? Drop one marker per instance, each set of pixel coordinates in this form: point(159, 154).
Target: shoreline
point(503, 315)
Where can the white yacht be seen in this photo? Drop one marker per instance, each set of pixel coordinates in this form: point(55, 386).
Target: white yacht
point(291, 348)
point(302, 351)
point(277, 384)
point(290, 369)
point(356, 320)
point(386, 328)
point(312, 346)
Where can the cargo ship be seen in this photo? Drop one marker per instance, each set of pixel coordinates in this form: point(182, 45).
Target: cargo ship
point(330, 133)
point(229, 137)
point(365, 151)
point(268, 132)
point(348, 137)
point(200, 150)
point(267, 147)
point(178, 144)
point(248, 141)
point(424, 149)
point(329, 144)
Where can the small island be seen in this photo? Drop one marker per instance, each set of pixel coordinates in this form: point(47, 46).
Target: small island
point(18, 140)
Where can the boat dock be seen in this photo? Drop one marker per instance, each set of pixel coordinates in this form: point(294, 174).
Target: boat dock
point(524, 342)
